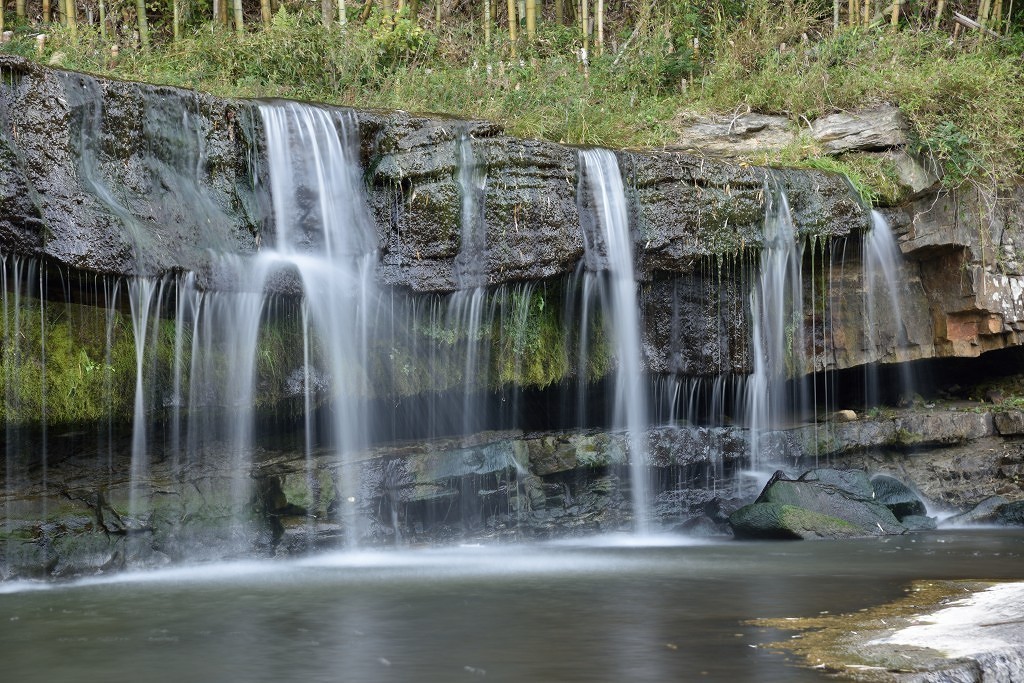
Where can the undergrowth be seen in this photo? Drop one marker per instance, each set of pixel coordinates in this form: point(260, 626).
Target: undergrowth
point(964, 96)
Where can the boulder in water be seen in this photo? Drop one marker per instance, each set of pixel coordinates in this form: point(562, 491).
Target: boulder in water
point(820, 504)
point(897, 496)
point(779, 521)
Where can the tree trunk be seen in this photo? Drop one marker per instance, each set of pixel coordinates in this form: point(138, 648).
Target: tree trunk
point(560, 12)
point(327, 12)
point(140, 11)
point(487, 23)
point(896, 14)
point(414, 11)
point(389, 8)
point(600, 27)
point(531, 20)
point(239, 17)
point(222, 15)
point(437, 15)
point(835, 15)
point(851, 13)
point(938, 12)
point(342, 18)
point(266, 13)
point(1, 17)
point(19, 9)
point(983, 9)
point(585, 25)
point(512, 25)
point(103, 19)
point(175, 19)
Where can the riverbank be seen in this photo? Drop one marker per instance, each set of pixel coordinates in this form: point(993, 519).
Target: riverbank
point(942, 631)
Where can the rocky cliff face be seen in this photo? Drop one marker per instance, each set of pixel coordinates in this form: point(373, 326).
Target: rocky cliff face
point(125, 178)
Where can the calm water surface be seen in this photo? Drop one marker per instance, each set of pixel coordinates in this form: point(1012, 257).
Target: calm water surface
point(605, 611)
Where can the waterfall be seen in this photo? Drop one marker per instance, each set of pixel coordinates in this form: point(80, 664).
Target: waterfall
point(466, 306)
point(608, 246)
point(881, 258)
point(776, 310)
point(325, 233)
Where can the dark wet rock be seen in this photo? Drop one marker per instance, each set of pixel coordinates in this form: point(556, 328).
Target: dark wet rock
point(984, 512)
point(919, 523)
point(1009, 422)
point(785, 522)
point(1010, 514)
point(897, 496)
point(852, 482)
point(823, 497)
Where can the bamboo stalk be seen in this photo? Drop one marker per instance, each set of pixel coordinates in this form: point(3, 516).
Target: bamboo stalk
point(266, 14)
point(835, 15)
point(560, 12)
point(19, 9)
point(512, 25)
point(600, 27)
point(1009, 15)
point(896, 14)
point(531, 20)
point(326, 12)
point(3, 38)
point(983, 9)
point(585, 22)
point(72, 12)
point(47, 11)
point(437, 15)
point(342, 13)
point(239, 17)
point(175, 20)
point(938, 12)
point(851, 12)
point(487, 23)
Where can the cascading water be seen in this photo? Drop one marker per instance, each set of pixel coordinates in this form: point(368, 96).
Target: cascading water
point(466, 306)
point(324, 232)
point(881, 258)
point(608, 246)
point(776, 310)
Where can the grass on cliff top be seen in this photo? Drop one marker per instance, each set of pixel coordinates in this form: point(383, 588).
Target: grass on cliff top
point(965, 96)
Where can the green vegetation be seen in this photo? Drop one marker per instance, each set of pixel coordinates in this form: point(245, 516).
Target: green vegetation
point(649, 65)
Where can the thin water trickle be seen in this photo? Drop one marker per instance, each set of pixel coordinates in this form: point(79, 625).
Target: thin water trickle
point(884, 328)
point(608, 246)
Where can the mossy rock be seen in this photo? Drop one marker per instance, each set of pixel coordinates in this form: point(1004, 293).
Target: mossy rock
point(779, 521)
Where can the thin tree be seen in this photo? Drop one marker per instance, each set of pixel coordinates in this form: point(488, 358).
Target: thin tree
point(938, 13)
point(487, 23)
point(851, 13)
point(103, 19)
point(47, 11)
point(531, 20)
point(600, 26)
point(560, 12)
point(72, 12)
point(585, 25)
point(512, 25)
point(1, 16)
point(140, 11)
point(327, 12)
point(266, 13)
point(239, 17)
point(176, 20)
point(19, 9)
point(896, 14)
point(342, 17)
